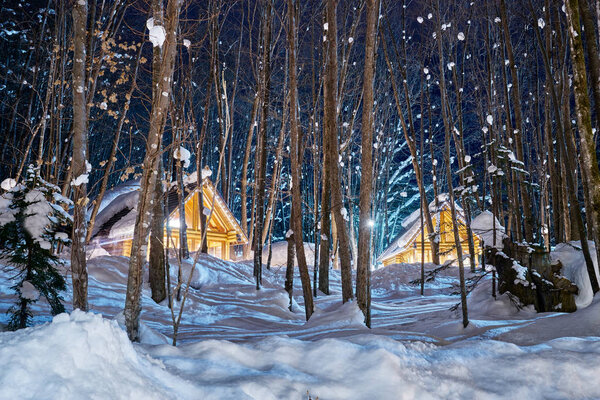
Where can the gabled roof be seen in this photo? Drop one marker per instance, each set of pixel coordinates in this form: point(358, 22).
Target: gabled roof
point(412, 226)
point(117, 219)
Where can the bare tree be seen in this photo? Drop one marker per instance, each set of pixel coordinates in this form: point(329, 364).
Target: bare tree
point(295, 155)
point(365, 224)
point(331, 133)
point(447, 129)
point(160, 106)
point(262, 141)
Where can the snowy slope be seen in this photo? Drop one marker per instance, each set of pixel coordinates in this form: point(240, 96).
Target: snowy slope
point(85, 356)
point(239, 343)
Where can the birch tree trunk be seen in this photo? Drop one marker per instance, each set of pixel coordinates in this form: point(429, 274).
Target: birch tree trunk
point(160, 106)
point(447, 129)
point(331, 133)
point(365, 225)
point(262, 144)
point(295, 152)
point(79, 164)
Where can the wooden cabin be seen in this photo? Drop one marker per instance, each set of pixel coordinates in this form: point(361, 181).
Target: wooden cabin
point(116, 222)
point(406, 248)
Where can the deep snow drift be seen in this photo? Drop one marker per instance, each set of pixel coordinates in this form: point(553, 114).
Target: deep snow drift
point(239, 343)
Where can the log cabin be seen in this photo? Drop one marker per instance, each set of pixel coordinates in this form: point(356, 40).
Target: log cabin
point(406, 248)
point(114, 226)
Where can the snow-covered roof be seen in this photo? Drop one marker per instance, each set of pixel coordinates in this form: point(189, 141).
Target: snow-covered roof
point(111, 194)
point(412, 225)
point(483, 226)
point(116, 220)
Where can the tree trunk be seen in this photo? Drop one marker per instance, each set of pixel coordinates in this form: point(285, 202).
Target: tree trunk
point(365, 225)
point(157, 248)
point(295, 152)
point(160, 106)
point(587, 156)
point(79, 162)
point(447, 128)
point(289, 270)
point(325, 241)
point(262, 143)
point(591, 48)
point(518, 132)
point(331, 132)
point(184, 251)
point(244, 180)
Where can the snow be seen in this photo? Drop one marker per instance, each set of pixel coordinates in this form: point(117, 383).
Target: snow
point(206, 172)
point(239, 343)
point(344, 212)
point(37, 216)
point(8, 184)
point(28, 291)
point(541, 23)
point(125, 199)
point(95, 250)
point(7, 214)
point(521, 274)
point(111, 194)
point(461, 36)
point(156, 33)
point(83, 178)
point(81, 355)
point(80, 180)
point(182, 154)
point(279, 253)
point(574, 269)
point(86, 356)
point(483, 226)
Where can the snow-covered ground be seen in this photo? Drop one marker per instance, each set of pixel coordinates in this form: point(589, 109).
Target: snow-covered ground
point(239, 343)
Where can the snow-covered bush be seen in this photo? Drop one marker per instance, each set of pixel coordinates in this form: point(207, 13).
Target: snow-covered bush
point(32, 222)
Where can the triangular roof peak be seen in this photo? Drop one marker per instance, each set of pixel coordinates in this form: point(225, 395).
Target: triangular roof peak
point(412, 227)
point(120, 212)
